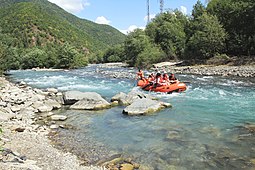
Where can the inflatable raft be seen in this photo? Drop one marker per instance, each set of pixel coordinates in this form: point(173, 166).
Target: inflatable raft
point(170, 88)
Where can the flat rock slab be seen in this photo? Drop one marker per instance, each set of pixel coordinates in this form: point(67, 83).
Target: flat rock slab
point(144, 106)
point(127, 99)
point(71, 97)
point(86, 104)
point(58, 117)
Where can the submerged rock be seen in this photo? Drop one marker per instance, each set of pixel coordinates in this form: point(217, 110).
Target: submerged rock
point(250, 127)
point(126, 166)
point(144, 106)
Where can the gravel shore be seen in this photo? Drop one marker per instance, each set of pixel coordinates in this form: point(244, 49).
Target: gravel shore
point(209, 70)
point(247, 71)
point(25, 144)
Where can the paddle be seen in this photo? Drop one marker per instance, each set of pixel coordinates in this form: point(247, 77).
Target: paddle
point(150, 84)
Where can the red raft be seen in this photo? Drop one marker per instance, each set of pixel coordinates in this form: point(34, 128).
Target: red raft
point(174, 87)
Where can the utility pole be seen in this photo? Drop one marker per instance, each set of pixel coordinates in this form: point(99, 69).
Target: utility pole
point(161, 6)
point(148, 11)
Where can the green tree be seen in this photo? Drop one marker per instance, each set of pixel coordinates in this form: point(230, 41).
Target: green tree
point(114, 54)
point(237, 17)
point(151, 54)
point(3, 49)
point(69, 57)
point(207, 39)
point(13, 59)
point(33, 57)
point(198, 10)
point(135, 43)
point(168, 31)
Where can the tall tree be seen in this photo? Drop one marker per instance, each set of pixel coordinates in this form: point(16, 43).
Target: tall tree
point(238, 18)
point(198, 10)
point(207, 39)
point(167, 31)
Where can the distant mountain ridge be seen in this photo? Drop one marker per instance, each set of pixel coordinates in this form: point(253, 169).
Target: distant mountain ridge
point(38, 22)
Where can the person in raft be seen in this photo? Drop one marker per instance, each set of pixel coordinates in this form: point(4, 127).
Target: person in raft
point(165, 79)
point(172, 78)
point(151, 77)
point(158, 80)
point(140, 75)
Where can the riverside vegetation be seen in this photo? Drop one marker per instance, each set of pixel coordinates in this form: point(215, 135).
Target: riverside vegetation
point(37, 33)
point(216, 34)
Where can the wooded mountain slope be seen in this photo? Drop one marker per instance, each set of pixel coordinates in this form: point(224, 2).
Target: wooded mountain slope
point(37, 22)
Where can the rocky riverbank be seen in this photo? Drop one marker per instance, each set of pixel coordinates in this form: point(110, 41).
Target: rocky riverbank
point(206, 70)
point(209, 70)
point(25, 144)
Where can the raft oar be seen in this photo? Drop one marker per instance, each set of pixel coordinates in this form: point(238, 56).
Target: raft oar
point(150, 84)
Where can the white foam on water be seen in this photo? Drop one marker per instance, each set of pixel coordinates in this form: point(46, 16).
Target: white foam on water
point(83, 87)
point(208, 77)
point(51, 80)
point(167, 96)
point(202, 79)
point(232, 83)
point(222, 93)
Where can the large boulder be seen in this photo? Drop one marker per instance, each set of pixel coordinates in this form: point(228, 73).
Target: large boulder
point(85, 100)
point(52, 103)
point(90, 104)
point(46, 106)
point(144, 106)
point(127, 99)
point(71, 97)
point(58, 117)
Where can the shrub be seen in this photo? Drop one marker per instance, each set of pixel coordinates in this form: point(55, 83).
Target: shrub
point(219, 59)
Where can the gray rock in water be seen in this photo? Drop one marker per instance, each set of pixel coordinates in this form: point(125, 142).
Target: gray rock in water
point(71, 97)
point(58, 117)
point(52, 90)
point(52, 103)
point(90, 104)
point(118, 96)
point(45, 108)
point(54, 126)
point(127, 99)
point(143, 106)
point(42, 107)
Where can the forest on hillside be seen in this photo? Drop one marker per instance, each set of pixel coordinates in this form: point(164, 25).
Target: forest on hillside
point(37, 33)
point(217, 33)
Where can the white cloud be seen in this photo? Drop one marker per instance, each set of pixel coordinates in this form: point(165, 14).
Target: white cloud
point(131, 28)
point(151, 17)
point(183, 9)
point(73, 6)
point(102, 20)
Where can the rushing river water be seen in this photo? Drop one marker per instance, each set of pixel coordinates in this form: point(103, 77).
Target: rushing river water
point(205, 129)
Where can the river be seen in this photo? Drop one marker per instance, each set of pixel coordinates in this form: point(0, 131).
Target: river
point(205, 128)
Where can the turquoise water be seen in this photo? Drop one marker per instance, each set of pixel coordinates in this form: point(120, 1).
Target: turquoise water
point(203, 130)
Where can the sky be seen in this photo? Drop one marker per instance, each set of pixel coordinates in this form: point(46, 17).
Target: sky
point(124, 15)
